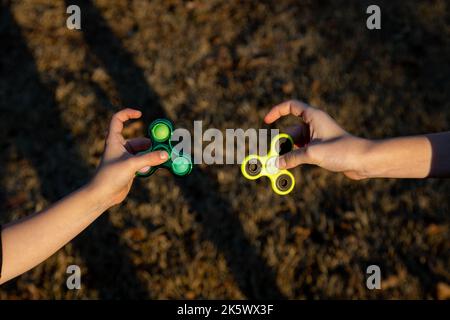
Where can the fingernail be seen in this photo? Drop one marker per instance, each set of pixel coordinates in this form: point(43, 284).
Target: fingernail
point(144, 169)
point(280, 163)
point(163, 155)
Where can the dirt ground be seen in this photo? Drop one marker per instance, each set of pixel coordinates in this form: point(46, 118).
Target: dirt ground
point(215, 234)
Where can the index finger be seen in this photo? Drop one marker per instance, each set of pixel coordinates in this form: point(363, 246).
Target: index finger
point(122, 116)
point(293, 107)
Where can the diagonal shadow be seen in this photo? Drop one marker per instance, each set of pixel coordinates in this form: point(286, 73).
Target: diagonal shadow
point(31, 121)
point(221, 226)
point(422, 54)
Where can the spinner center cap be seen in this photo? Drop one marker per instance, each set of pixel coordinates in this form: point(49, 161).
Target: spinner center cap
point(271, 166)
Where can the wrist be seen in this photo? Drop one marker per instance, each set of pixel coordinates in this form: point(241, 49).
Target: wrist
point(96, 196)
point(360, 160)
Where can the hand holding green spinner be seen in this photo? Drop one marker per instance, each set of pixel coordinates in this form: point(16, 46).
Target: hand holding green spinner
point(160, 132)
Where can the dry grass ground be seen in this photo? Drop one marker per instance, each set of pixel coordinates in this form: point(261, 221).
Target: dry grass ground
point(214, 234)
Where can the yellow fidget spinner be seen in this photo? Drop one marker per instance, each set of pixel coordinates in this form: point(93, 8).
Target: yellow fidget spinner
point(254, 166)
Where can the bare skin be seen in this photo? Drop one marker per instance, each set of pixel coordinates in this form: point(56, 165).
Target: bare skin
point(322, 142)
point(31, 240)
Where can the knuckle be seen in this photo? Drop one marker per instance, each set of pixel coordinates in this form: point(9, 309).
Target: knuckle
point(152, 157)
point(311, 155)
point(307, 151)
point(292, 107)
point(290, 158)
point(311, 113)
point(131, 162)
point(116, 115)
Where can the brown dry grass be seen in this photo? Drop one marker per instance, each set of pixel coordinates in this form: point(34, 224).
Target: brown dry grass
point(214, 234)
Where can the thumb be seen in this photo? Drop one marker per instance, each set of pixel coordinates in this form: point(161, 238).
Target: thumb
point(150, 159)
point(293, 159)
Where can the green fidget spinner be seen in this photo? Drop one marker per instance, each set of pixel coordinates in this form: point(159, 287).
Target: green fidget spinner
point(160, 132)
point(254, 166)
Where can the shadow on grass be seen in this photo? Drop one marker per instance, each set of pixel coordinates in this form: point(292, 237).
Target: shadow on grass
point(32, 122)
point(220, 224)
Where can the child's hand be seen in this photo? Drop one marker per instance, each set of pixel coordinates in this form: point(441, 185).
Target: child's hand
point(119, 163)
point(321, 141)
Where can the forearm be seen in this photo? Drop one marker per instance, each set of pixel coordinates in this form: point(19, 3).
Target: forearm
point(29, 241)
point(407, 157)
